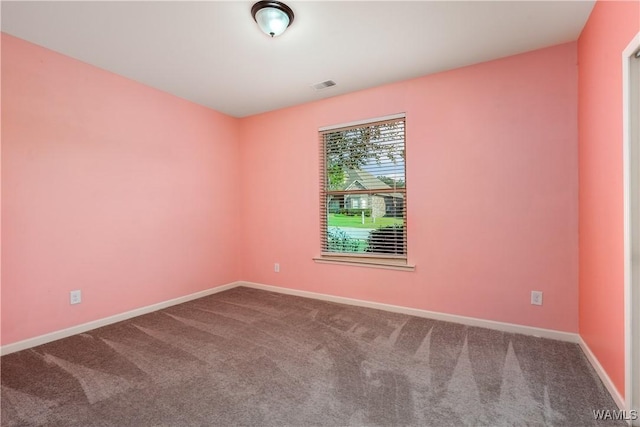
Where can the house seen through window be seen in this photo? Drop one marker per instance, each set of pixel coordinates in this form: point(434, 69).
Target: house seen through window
point(363, 190)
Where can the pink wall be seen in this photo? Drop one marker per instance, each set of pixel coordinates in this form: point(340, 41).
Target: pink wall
point(108, 186)
point(135, 196)
point(610, 28)
point(492, 192)
point(0, 192)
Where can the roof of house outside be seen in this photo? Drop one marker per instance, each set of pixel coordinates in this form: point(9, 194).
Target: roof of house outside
point(365, 179)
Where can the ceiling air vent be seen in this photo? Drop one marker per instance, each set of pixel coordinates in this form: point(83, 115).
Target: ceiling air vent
point(323, 85)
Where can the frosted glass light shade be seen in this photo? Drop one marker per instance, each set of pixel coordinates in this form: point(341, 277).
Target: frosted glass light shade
point(272, 17)
point(272, 21)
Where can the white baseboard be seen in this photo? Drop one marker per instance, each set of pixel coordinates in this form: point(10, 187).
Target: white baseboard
point(613, 391)
point(53, 336)
point(470, 321)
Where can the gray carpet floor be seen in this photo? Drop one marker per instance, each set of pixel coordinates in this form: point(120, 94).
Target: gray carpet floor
point(247, 357)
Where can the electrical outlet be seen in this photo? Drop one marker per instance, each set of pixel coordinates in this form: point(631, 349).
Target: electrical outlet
point(75, 297)
point(276, 267)
point(536, 297)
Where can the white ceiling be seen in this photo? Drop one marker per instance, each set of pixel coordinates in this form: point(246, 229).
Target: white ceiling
point(212, 53)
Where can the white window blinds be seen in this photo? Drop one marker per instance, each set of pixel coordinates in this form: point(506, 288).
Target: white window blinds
point(363, 190)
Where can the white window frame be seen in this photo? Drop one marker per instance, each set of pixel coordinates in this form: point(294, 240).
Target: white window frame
point(396, 262)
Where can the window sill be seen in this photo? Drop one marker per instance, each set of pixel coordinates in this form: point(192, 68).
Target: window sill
point(373, 263)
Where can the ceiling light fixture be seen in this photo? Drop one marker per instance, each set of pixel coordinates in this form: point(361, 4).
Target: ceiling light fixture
point(273, 17)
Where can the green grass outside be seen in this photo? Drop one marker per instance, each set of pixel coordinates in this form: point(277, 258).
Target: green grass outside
point(362, 247)
point(340, 220)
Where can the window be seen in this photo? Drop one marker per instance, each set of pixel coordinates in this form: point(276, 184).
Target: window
point(363, 193)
